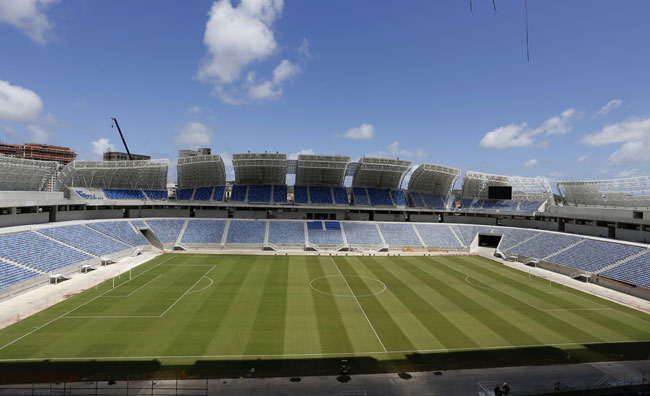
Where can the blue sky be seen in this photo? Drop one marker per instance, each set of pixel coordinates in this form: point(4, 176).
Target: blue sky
point(420, 80)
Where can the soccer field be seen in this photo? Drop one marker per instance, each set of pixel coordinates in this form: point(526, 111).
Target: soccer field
point(191, 307)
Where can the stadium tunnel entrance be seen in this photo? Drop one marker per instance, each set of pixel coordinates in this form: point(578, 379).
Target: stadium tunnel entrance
point(489, 240)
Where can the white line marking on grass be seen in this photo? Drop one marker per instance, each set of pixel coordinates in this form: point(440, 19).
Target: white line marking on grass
point(199, 290)
point(359, 304)
point(109, 317)
point(288, 355)
point(186, 292)
point(74, 309)
point(345, 295)
point(128, 295)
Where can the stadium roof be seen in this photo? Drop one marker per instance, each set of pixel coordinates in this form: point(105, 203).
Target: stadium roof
point(260, 168)
point(625, 193)
point(146, 174)
point(18, 174)
point(434, 179)
point(380, 172)
point(327, 170)
point(475, 186)
point(201, 171)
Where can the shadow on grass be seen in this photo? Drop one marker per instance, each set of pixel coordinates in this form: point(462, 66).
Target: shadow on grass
point(51, 371)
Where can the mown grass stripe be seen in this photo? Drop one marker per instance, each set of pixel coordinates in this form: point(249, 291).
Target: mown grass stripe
point(301, 334)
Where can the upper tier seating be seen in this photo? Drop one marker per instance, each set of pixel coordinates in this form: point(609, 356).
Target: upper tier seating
point(341, 196)
point(300, 194)
point(434, 201)
point(511, 237)
point(167, 231)
point(324, 236)
point(399, 197)
point(594, 255)
point(399, 234)
point(320, 195)
point(418, 201)
point(379, 197)
point(36, 251)
point(246, 231)
point(86, 239)
point(467, 233)
point(203, 193)
point(87, 196)
point(203, 231)
point(543, 245)
point(635, 271)
point(123, 194)
point(286, 232)
point(120, 230)
point(360, 196)
point(472, 204)
point(529, 206)
point(184, 194)
point(156, 194)
point(438, 235)
point(259, 193)
point(362, 234)
point(280, 193)
point(11, 274)
point(238, 193)
point(218, 193)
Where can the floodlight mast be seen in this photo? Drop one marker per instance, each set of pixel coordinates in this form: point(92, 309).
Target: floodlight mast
point(122, 136)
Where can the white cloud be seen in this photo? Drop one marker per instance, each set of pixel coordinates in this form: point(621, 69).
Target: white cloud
point(28, 16)
point(628, 173)
point(194, 110)
point(195, 134)
point(364, 132)
point(100, 146)
point(295, 155)
point(530, 162)
point(611, 105)
point(583, 158)
point(303, 50)
point(516, 135)
point(9, 131)
point(634, 134)
point(18, 104)
point(394, 150)
point(37, 134)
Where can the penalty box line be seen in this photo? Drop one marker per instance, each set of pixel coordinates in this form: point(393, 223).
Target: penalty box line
point(74, 309)
point(129, 295)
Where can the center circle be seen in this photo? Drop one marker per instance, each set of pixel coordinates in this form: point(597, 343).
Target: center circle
point(346, 282)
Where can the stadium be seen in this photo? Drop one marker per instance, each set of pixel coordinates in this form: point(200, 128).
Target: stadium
point(407, 275)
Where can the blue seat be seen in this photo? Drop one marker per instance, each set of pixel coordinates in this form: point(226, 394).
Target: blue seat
point(320, 195)
point(238, 193)
point(112, 193)
point(184, 194)
point(300, 194)
point(120, 230)
point(280, 193)
point(167, 231)
point(203, 193)
point(362, 234)
point(86, 239)
point(246, 231)
point(259, 193)
point(203, 231)
point(360, 196)
point(218, 193)
point(399, 197)
point(341, 196)
point(156, 194)
point(286, 232)
point(379, 197)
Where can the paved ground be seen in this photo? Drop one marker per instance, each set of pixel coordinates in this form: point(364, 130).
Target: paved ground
point(522, 380)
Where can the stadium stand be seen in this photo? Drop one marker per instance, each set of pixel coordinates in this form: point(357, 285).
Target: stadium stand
point(434, 201)
point(631, 192)
point(328, 235)
point(238, 193)
point(300, 194)
point(593, 255)
point(360, 196)
point(259, 193)
point(286, 232)
point(431, 185)
point(19, 174)
point(203, 193)
point(362, 234)
point(438, 235)
point(200, 171)
point(123, 194)
point(280, 193)
point(167, 231)
point(184, 194)
point(87, 195)
point(467, 233)
point(635, 271)
point(139, 224)
point(86, 239)
point(203, 231)
point(320, 194)
point(399, 235)
point(418, 202)
point(36, 251)
point(218, 193)
point(120, 230)
point(156, 194)
point(399, 198)
point(379, 197)
point(340, 196)
point(511, 237)
point(11, 274)
point(246, 231)
point(543, 245)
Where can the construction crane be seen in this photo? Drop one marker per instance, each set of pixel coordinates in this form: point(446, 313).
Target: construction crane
point(122, 136)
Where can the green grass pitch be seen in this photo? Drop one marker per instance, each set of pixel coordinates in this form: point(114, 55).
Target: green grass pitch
point(180, 309)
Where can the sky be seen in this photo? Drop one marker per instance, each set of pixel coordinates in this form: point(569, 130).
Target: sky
point(425, 81)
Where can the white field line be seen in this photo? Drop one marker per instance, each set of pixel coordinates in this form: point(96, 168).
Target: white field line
point(289, 355)
point(108, 317)
point(359, 304)
point(128, 295)
point(186, 292)
point(199, 290)
point(74, 309)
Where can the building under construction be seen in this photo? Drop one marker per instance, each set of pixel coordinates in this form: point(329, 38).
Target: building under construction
point(41, 152)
